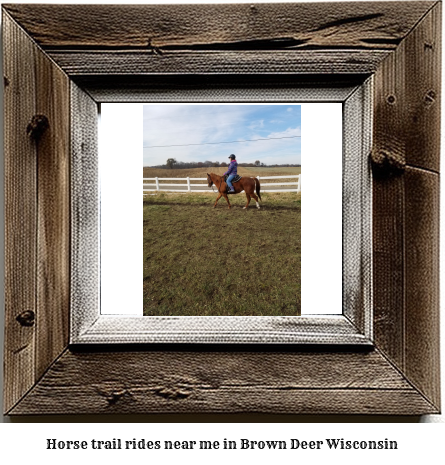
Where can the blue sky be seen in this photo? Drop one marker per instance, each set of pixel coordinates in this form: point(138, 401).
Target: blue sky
point(186, 126)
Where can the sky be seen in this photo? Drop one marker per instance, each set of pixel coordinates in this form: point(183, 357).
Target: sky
point(195, 133)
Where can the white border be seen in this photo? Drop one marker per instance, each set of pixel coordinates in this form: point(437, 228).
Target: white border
point(120, 156)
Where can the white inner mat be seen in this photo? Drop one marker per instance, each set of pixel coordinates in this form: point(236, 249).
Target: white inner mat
point(120, 162)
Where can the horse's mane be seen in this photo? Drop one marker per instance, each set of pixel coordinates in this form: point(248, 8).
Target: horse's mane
point(214, 175)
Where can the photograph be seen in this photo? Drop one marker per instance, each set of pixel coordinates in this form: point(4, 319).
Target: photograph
point(222, 210)
point(252, 308)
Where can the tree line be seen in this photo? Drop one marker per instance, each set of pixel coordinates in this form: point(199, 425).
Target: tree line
point(173, 163)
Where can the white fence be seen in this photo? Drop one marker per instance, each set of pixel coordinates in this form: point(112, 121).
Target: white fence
point(155, 185)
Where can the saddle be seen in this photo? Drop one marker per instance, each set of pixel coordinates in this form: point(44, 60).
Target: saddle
point(235, 179)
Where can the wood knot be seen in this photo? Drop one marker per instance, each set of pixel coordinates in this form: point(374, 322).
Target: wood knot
point(26, 318)
point(387, 163)
point(173, 393)
point(112, 396)
point(37, 126)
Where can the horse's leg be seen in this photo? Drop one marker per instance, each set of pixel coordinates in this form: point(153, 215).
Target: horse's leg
point(248, 200)
point(225, 196)
point(255, 197)
point(217, 198)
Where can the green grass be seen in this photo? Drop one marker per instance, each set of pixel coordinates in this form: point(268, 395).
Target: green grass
point(204, 261)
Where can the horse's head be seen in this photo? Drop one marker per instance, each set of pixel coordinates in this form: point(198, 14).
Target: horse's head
point(209, 180)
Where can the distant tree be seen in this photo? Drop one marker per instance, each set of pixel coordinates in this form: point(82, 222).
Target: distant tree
point(215, 164)
point(262, 164)
point(224, 164)
point(170, 162)
point(257, 162)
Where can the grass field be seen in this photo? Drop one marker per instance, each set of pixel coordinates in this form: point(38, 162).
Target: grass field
point(204, 261)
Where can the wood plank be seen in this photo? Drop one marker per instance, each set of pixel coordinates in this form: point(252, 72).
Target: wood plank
point(85, 240)
point(388, 154)
point(222, 382)
point(406, 209)
point(364, 25)
point(78, 62)
point(53, 259)
point(423, 90)
point(218, 87)
point(20, 213)
point(357, 209)
point(422, 281)
point(214, 330)
point(388, 268)
point(116, 399)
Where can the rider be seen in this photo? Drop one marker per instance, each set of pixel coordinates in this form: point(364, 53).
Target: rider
point(231, 172)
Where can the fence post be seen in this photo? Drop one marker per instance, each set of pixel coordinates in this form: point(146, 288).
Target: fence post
point(188, 184)
point(157, 183)
point(299, 183)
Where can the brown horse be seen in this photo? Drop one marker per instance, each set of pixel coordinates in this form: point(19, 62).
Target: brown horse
point(246, 184)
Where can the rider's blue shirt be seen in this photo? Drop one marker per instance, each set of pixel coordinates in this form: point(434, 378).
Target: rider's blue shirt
point(232, 168)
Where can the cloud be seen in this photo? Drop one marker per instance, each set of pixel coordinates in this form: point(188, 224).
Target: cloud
point(256, 124)
point(185, 125)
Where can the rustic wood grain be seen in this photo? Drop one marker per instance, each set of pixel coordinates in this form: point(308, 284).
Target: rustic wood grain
point(388, 268)
point(357, 206)
point(388, 201)
point(216, 382)
point(400, 376)
point(53, 226)
point(341, 25)
point(407, 114)
point(406, 133)
point(422, 284)
point(107, 88)
point(210, 62)
point(423, 91)
point(20, 212)
point(37, 218)
point(85, 210)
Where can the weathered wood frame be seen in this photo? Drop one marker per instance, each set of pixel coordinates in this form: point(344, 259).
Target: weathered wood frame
point(78, 56)
point(90, 323)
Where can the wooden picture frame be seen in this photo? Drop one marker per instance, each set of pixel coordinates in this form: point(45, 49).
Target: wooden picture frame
point(59, 68)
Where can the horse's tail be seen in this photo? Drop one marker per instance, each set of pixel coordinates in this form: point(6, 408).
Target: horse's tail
point(257, 187)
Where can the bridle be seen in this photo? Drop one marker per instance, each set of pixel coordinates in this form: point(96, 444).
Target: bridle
point(220, 182)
